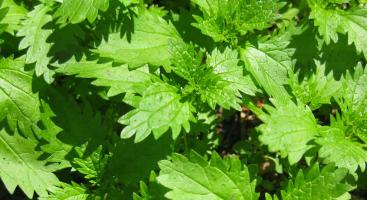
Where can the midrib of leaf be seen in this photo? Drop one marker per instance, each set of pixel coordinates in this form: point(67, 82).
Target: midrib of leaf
point(273, 59)
point(19, 89)
point(16, 105)
point(208, 189)
point(206, 176)
point(157, 33)
point(17, 155)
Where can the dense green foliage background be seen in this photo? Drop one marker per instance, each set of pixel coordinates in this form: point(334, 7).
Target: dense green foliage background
point(183, 100)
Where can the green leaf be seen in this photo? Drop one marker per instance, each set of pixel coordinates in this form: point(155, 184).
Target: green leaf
point(219, 81)
point(71, 191)
point(66, 126)
point(35, 40)
point(317, 89)
point(353, 102)
point(20, 165)
point(341, 150)
point(14, 16)
point(224, 20)
point(159, 109)
point(269, 64)
point(77, 11)
point(147, 44)
point(92, 166)
point(118, 78)
point(333, 21)
point(288, 128)
point(194, 178)
point(18, 103)
point(316, 184)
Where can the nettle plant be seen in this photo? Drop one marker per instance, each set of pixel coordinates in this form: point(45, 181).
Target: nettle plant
point(199, 100)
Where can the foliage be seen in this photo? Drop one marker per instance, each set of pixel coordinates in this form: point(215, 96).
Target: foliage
point(200, 99)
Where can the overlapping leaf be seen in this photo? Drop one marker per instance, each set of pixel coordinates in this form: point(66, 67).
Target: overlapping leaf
point(146, 44)
point(269, 63)
point(18, 103)
point(77, 11)
point(225, 20)
point(315, 184)
point(15, 14)
point(333, 21)
point(288, 128)
point(20, 165)
point(195, 178)
point(218, 82)
point(159, 109)
point(119, 78)
point(317, 89)
point(341, 150)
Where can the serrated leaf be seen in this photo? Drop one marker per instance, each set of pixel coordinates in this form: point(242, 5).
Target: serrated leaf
point(218, 82)
point(317, 89)
point(341, 150)
point(147, 44)
point(91, 166)
point(353, 102)
point(71, 191)
point(189, 178)
point(118, 78)
point(65, 126)
point(224, 20)
point(160, 108)
point(35, 40)
point(269, 64)
point(316, 184)
point(288, 128)
point(20, 165)
point(15, 90)
point(14, 16)
point(77, 11)
point(333, 21)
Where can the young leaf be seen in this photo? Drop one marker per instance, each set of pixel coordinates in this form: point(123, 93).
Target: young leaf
point(20, 165)
point(316, 184)
point(196, 179)
point(317, 89)
point(225, 20)
point(92, 166)
point(219, 81)
point(353, 102)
